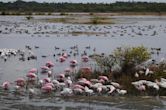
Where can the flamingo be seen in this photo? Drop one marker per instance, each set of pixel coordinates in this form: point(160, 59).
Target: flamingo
point(31, 76)
point(55, 82)
point(44, 69)
point(105, 78)
point(77, 91)
point(111, 89)
point(61, 77)
point(33, 70)
point(47, 89)
point(68, 82)
point(115, 84)
point(85, 59)
point(94, 80)
point(78, 86)
point(84, 83)
point(20, 82)
point(6, 85)
point(96, 85)
point(102, 81)
point(141, 87)
point(99, 89)
point(49, 84)
point(62, 59)
point(49, 64)
point(46, 80)
point(73, 63)
point(49, 73)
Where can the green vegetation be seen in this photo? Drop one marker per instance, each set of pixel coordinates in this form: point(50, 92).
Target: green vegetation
point(79, 20)
point(63, 14)
point(95, 20)
point(123, 60)
point(122, 66)
point(129, 57)
point(35, 7)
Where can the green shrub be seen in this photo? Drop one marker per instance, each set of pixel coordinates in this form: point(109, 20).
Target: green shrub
point(129, 57)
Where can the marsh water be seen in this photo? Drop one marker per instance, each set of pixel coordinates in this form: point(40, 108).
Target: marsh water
point(16, 32)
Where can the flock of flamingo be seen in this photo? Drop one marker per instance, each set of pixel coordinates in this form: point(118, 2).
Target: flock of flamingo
point(63, 84)
point(66, 84)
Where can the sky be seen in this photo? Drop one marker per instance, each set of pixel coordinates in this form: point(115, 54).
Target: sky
point(85, 1)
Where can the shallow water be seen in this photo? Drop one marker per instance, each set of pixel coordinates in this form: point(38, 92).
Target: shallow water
point(129, 31)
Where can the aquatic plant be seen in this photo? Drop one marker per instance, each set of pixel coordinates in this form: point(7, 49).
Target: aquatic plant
point(129, 57)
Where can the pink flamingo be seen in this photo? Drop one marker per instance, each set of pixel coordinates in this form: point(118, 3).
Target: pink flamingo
point(85, 59)
point(6, 85)
point(77, 91)
point(47, 88)
point(20, 82)
point(62, 59)
point(73, 63)
point(49, 64)
point(46, 80)
point(44, 68)
point(105, 78)
point(61, 77)
point(102, 81)
point(49, 84)
point(111, 89)
point(31, 76)
point(33, 70)
point(84, 83)
point(78, 86)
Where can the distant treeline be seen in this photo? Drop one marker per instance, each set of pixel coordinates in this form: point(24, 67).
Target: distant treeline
point(22, 6)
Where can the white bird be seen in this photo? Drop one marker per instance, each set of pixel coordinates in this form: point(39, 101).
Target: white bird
point(66, 92)
point(77, 91)
point(55, 82)
point(115, 84)
point(140, 82)
point(88, 91)
point(68, 82)
point(163, 79)
point(152, 84)
point(147, 71)
point(161, 83)
point(136, 75)
point(111, 88)
point(31, 91)
point(122, 92)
